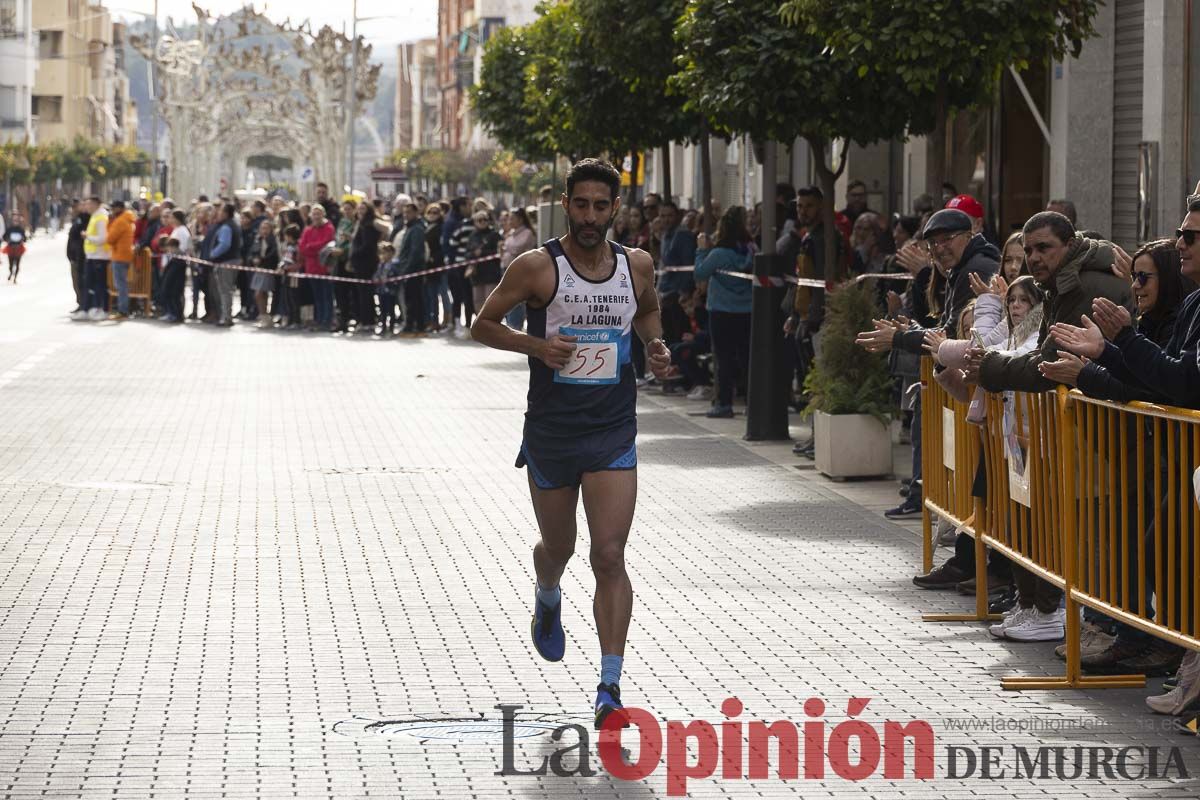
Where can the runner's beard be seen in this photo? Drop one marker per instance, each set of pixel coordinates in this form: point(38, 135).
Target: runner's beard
point(600, 231)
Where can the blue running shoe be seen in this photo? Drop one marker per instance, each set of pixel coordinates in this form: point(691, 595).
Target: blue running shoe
point(548, 637)
point(608, 700)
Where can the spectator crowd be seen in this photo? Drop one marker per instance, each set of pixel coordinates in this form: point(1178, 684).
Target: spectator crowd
point(357, 266)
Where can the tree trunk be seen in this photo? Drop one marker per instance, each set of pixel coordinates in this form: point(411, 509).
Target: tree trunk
point(634, 158)
point(707, 222)
point(667, 194)
point(935, 161)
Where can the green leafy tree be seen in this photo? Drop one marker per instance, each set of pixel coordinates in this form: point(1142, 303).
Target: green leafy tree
point(627, 53)
point(945, 55)
point(500, 100)
point(748, 74)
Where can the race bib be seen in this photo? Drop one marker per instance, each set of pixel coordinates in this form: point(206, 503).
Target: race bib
point(596, 356)
point(14, 237)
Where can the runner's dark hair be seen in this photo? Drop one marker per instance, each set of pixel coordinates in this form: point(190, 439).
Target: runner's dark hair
point(593, 169)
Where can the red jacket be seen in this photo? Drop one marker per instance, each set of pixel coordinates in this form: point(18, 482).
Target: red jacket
point(311, 242)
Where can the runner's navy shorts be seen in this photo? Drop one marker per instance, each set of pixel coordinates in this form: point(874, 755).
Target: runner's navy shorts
point(559, 462)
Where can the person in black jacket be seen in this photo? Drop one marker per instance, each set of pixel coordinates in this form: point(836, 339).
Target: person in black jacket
point(957, 253)
point(437, 286)
point(1170, 375)
point(1159, 288)
point(75, 254)
point(364, 260)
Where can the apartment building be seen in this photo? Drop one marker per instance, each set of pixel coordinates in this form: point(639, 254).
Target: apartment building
point(18, 65)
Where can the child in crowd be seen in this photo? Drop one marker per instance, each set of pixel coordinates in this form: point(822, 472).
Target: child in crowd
point(289, 263)
point(385, 293)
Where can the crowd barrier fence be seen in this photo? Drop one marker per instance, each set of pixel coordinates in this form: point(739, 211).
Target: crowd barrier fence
point(140, 278)
point(1094, 497)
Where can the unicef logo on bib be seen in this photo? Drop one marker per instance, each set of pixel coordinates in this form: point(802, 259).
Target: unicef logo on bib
point(596, 359)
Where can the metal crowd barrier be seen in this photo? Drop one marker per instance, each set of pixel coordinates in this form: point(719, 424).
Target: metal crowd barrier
point(950, 449)
point(1094, 497)
point(141, 281)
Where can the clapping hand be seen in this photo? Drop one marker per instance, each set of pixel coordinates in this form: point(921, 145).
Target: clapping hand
point(933, 340)
point(1122, 263)
point(1065, 370)
point(1087, 341)
point(912, 257)
point(974, 362)
point(1111, 317)
point(878, 340)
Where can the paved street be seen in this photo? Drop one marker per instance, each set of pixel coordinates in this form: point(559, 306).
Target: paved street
point(225, 554)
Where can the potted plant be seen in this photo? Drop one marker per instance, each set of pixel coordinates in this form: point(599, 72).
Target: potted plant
point(850, 392)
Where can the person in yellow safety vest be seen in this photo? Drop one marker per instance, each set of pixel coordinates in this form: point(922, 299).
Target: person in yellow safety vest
point(98, 254)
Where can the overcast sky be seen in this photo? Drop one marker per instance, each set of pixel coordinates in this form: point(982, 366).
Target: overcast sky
point(406, 19)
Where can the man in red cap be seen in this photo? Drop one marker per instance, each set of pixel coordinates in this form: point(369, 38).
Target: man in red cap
point(972, 208)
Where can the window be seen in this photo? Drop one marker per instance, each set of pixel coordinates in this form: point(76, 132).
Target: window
point(47, 108)
point(8, 19)
point(50, 44)
point(8, 105)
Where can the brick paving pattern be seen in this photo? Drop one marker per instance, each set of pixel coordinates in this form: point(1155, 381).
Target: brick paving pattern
point(224, 554)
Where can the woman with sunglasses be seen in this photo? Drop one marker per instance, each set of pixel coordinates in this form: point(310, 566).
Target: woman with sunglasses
point(1159, 287)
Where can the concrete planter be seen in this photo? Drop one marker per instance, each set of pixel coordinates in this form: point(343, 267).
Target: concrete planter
point(851, 445)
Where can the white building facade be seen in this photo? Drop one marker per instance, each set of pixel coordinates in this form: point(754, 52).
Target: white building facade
point(18, 67)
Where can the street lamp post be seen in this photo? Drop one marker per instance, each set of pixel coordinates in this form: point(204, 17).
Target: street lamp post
point(353, 105)
point(154, 183)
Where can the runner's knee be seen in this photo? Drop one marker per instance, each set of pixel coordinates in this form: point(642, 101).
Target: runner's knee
point(608, 559)
point(559, 552)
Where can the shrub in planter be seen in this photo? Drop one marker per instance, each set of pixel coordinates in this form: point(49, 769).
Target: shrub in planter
point(850, 391)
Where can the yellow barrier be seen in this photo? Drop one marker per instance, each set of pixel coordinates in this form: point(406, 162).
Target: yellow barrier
point(1117, 503)
point(950, 452)
point(1092, 496)
point(141, 281)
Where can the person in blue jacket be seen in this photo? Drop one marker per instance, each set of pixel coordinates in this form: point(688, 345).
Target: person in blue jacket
point(728, 302)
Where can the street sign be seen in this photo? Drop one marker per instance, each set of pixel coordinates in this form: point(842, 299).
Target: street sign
point(306, 174)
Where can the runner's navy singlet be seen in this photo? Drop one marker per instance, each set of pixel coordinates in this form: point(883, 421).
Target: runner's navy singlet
point(596, 390)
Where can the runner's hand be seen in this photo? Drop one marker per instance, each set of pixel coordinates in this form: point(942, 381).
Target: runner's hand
point(658, 358)
point(557, 350)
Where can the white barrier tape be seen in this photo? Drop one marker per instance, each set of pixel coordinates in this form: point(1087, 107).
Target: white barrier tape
point(338, 278)
point(792, 279)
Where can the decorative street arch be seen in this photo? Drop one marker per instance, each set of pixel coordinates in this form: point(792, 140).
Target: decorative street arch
point(243, 85)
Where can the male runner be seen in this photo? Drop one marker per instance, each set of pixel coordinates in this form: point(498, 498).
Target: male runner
point(584, 296)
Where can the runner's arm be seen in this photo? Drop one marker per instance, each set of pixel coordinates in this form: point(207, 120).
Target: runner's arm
point(517, 285)
point(647, 322)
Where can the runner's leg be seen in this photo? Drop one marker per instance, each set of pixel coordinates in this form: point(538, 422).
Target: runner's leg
point(555, 512)
point(608, 500)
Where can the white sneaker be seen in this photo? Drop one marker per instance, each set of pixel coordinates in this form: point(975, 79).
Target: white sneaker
point(79, 315)
point(700, 393)
point(1187, 690)
point(1039, 627)
point(96, 314)
point(1014, 616)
